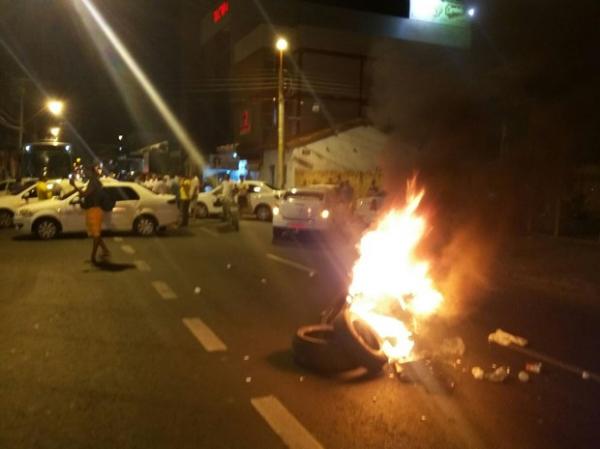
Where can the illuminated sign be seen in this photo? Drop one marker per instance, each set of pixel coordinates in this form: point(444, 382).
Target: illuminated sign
point(449, 12)
point(220, 12)
point(245, 126)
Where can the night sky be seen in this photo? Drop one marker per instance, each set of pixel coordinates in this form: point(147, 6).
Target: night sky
point(49, 39)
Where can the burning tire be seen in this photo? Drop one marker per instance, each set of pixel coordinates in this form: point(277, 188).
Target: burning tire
point(359, 341)
point(314, 348)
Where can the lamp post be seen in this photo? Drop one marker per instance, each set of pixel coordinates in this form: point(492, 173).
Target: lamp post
point(282, 46)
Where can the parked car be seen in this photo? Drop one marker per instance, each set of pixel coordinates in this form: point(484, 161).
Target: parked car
point(305, 209)
point(262, 197)
point(10, 203)
point(367, 208)
point(6, 185)
point(136, 209)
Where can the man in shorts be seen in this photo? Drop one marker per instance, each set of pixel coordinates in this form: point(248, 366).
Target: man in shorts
point(92, 196)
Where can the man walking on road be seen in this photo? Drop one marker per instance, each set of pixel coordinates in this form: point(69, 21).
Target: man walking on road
point(227, 196)
point(92, 197)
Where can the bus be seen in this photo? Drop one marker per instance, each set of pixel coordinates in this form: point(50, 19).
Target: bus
point(47, 158)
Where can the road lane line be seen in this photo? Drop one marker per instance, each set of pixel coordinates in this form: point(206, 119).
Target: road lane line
point(142, 265)
point(128, 249)
point(204, 335)
point(164, 290)
point(118, 239)
point(284, 424)
point(208, 231)
point(291, 263)
point(552, 361)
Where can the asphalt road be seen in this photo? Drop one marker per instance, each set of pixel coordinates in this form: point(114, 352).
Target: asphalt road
point(107, 359)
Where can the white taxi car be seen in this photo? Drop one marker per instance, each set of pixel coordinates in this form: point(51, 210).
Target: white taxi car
point(262, 197)
point(136, 209)
point(304, 209)
point(11, 202)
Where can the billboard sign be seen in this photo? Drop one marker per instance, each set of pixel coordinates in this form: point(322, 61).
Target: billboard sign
point(447, 12)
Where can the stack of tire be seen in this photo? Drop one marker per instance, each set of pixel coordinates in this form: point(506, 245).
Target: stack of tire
point(341, 344)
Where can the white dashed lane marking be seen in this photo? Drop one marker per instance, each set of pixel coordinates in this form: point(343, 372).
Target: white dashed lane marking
point(284, 424)
point(128, 249)
point(291, 263)
point(142, 265)
point(164, 290)
point(204, 335)
point(118, 239)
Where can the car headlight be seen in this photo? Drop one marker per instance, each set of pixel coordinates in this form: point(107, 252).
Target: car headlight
point(325, 214)
point(275, 210)
point(25, 213)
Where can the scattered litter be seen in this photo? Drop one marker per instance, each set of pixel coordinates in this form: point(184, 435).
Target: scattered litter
point(197, 290)
point(423, 418)
point(248, 380)
point(301, 379)
point(523, 376)
point(535, 368)
point(452, 347)
point(263, 280)
point(229, 266)
point(246, 358)
point(585, 375)
point(498, 375)
point(504, 338)
point(477, 372)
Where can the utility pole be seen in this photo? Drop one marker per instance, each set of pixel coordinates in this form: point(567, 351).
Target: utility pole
point(21, 114)
point(282, 46)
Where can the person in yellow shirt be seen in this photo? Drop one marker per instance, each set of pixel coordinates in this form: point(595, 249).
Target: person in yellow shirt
point(184, 199)
point(43, 192)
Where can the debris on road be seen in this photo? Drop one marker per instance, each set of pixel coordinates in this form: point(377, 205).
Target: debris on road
point(452, 347)
point(477, 372)
point(423, 418)
point(523, 376)
point(535, 368)
point(197, 290)
point(301, 379)
point(504, 338)
point(498, 375)
point(248, 380)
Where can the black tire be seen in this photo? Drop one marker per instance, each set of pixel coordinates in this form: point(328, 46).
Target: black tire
point(145, 226)
point(201, 211)
point(6, 219)
point(46, 228)
point(358, 339)
point(314, 348)
point(263, 212)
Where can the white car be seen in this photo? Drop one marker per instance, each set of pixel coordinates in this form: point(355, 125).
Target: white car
point(7, 184)
point(305, 209)
point(136, 209)
point(261, 199)
point(367, 208)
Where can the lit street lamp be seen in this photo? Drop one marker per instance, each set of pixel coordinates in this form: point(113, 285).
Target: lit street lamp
point(281, 46)
point(55, 131)
point(55, 107)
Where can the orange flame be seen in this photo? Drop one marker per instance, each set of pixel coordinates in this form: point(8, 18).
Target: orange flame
point(391, 289)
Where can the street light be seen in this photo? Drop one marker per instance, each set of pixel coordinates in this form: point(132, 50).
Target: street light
point(281, 45)
point(55, 107)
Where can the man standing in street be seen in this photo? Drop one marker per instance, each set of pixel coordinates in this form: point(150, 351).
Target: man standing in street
point(227, 196)
point(43, 192)
point(194, 190)
point(92, 197)
point(184, 200)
